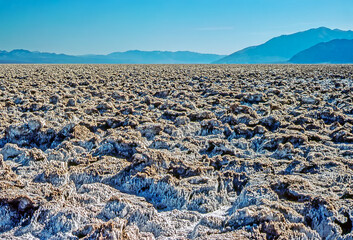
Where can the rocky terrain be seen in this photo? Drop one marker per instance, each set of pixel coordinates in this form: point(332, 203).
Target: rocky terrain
point(176, 152)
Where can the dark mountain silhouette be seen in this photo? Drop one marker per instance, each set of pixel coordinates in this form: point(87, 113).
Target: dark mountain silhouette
point(143, 57)
point(281, 49)
point(335, 51)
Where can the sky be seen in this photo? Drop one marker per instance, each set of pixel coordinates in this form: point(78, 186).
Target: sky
point(207, 26)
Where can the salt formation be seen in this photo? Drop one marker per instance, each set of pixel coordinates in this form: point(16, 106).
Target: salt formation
point(176, 152)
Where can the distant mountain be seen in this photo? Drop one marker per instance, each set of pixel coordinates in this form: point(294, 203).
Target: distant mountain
point(335, 51)
point(164, 57)
point(129, 57)
point(25, 56)
point(281, 49)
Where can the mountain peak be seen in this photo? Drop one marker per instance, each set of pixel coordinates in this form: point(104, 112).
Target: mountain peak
point(322, 28)
point(20, 51)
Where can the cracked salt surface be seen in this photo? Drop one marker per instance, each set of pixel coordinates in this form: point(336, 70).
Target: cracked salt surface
point(176, 152)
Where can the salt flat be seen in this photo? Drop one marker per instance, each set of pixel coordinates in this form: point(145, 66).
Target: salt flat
point(176, 151)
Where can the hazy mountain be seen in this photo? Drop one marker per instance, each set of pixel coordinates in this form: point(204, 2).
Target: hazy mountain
point(147, 57)
point(25, 56)
point(164, 57)
point(335, 51)
point(281, 49)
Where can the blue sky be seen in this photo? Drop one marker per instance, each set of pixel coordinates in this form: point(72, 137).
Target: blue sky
point(208, 26)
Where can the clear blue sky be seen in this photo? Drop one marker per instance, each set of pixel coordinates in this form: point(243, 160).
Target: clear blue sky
point(208, 26)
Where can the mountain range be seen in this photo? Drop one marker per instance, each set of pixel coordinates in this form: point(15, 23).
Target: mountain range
point(129, 57)
point(318, 45)
point(281, 49)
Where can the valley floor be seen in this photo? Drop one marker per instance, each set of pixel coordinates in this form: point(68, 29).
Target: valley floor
point(176, 151)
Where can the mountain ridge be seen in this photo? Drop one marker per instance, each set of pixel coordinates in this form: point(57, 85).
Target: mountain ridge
point(128, 57)
point(337, 51)
point(280, 49)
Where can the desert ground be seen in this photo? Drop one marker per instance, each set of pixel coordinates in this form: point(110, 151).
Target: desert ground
point(176, 152)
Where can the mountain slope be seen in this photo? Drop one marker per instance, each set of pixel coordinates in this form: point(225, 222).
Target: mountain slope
point(281, 49)
point(335, 51)
point(142, 57)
